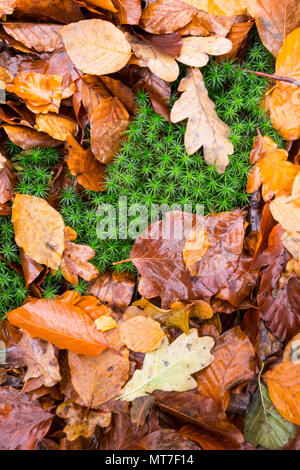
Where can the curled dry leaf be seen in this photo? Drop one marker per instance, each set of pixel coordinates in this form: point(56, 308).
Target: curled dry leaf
point(27, 138)
point(103, 47)
point(23, 424)
point(99, 379)
point(60, 322)
point(275, 19)
point(169, 368)
point(82, 164)
point(105, 4)
point(58, 127)
point(41, 93)
point(7, 179)
point(284, 103)
point(108, 123)
point(40, 37)
point(204, 128)
point(75, 263)
point(105, 323)
point(284, 388)
point(80, 421)
point(195, 51)
point(141, 334)
point(161, 64)
point(39, 230)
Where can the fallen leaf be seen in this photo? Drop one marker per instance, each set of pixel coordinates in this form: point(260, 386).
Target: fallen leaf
point(220, 7)
point(40, 37)
point(170, 367)
point(81, 422)
point(195, 51)
point(204, 128)
point(105, 4)
point(166, 439)
point(274, 20)
point(7, 7)
point(206, 439)
point(105, 323)
point(129, 11)
point(82, 164)
point(61, 323)
point(123, 435)
point(141, 334)
point(237, 35)
point(263, 424)
point(108, 123)
point(39, 230)
point(284, 102)
point(63, 11)
point(27, 138)
point(23, 424)
point(161, 64)
point(284, 388)
point(103, 47)
point(114, 289)
point(58, 127)
point(99, 379)
point(75, 263)
point(140, 409)
point(292, 350)
point(7, 179)
point(121, 91)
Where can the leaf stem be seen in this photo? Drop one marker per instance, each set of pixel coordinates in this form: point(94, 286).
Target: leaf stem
point(280, 78)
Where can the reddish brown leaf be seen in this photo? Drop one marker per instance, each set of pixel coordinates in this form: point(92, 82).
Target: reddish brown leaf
point(123, 435)
point(167, 43)
point(75, 263)
point(63, 11)
point(41, 37)
point(166, 439)
point(114, 289)
point(167, 16)
point(31, 268)
point(237, 35)
point(61, 323)
point(7, 179)
point(129, 11)
point(206, 439)
point(22, 424)
point(27, 138)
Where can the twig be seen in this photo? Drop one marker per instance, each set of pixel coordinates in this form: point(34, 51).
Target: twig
point(293, 81)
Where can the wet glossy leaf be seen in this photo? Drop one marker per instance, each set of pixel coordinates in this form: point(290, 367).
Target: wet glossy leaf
point(141, 334)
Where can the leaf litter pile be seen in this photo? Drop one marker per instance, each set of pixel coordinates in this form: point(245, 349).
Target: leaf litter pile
point(200, 350)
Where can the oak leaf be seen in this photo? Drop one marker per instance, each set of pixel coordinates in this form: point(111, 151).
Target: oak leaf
point(41, 93)
point(141, 334)
point(58, 127)
point(169, 368)
point(284, 388)
point(195, 51)
point(75, 262)
point(82, 164)
point(108, 122)
point(80, 421)
point(37, 36)
point(39, 230)
point(7, 179)
point(204, 128)
point(96, 46)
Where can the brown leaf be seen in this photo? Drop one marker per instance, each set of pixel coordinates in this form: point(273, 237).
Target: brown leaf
point(275, 19)
point(56, 126)
point(140, 409)
point(41, 37)
point(80, 421)
point(161, 64)
point(166, 43)
point(284, 387)
point(220, 7)
point(114, 289)
point(60, 322)
point(204, 128)
point(123, 435)
point(7, 179)
point(39, 230)
point(195, 51)
point(141, 334)
point(129, 11)
point(237, 35)
point(27, 138)
point(103, 47)
point(108, 123)
point(208, 440)
point(82, 164)
point(121, 91)
point(232, 365)
point(98, 379)
point(7, 7)
point(166, 439)
point(23, 424)
point(279, 305)
point(63, 11)
point(292, 350)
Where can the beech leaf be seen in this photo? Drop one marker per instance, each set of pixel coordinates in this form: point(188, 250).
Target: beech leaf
point(58, 127)
point(38, 36)
point(204, 128)
point(169, 368)
point(141, 334)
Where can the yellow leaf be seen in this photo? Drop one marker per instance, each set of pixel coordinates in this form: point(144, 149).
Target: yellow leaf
point(141, 334)
point(105, 323)
point(56, 126)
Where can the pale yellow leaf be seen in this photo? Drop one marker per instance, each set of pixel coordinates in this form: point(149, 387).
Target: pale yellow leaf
point(195, 50)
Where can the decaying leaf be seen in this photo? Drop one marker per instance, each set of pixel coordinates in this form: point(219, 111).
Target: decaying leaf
point(204, 128)
point(58, 127)
point(60, 322)
point(195, 51)
point(263, 424)
point(108, 123)
point(284, 388)
point(39, 230)
point(166, 439)
point(40, 37)
point(63, 11)
point(141, 334)
point(7, 179)
point(81, 422)
point(96, 46)
point(170, 367)
point(27, 138)
point(114, 289)
point(292, 350)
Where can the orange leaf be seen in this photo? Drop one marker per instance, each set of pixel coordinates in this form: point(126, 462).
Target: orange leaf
point(41, 37)
point(58, 127)
point(141, 334)
point(61, 323)
point(284, 387)
point(195, 247)
point(82, 163)
point(27, 138)
point(7, 179)
point(7, 7)
point(41, 93)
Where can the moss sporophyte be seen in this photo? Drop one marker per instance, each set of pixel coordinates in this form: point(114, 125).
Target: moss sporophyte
point(152, 167)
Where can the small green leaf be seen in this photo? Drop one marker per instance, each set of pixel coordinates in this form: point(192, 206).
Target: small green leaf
point(264, 426)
